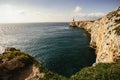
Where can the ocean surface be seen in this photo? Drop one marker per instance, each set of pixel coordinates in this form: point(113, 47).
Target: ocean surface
point(61, 49)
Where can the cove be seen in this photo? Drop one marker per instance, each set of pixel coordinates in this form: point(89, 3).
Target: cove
point(67, 52)
point(61, 49)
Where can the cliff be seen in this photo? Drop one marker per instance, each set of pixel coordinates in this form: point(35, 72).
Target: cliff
point(17, 65)
point(105, 36)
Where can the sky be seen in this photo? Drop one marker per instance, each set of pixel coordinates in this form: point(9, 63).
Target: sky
point(24, 11)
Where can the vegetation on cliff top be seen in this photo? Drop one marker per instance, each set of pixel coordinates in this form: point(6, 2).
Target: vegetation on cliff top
point(53, 76)
point(29, 60)
point(102, 71)
point(25, 58)
point(14, 54)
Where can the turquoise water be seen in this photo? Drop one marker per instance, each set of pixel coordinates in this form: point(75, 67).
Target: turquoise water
point(62, 49)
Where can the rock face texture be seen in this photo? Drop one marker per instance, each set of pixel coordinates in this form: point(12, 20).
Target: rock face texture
point(16, 65)
point(105, 36)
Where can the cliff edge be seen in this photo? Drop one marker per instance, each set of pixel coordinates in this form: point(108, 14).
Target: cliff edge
point(17, 65)
point(105, 36)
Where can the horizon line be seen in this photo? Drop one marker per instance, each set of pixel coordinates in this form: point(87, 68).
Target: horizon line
point(32, 22)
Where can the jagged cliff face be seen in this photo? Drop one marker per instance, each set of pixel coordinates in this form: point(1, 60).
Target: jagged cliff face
point(105, 39)
point(104, 36)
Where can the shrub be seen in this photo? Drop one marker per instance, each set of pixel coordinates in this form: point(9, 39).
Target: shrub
point(101, 71)
point(14, 54)
point(53, 76)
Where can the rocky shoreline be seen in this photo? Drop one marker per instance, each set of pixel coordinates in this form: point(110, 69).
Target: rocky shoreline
point(105, 36)
point(17, 65)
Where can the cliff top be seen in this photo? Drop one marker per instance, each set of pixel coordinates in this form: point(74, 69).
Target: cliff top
point(17, 65)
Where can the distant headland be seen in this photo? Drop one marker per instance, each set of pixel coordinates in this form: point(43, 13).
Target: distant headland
point(105, 39)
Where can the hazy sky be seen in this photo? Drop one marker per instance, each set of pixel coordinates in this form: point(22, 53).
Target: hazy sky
point(54, 10)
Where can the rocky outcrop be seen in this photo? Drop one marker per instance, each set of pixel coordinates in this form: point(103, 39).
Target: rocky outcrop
point(36, 74)
point(105, 36)
point(16, 65)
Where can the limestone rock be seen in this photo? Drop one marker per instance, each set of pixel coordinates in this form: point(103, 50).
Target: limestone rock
point(104, 37)
point(17, 65)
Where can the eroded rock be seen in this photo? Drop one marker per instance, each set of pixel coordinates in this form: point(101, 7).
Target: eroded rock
point(104, 36)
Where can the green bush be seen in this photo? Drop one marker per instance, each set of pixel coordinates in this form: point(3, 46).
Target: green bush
point(14, 54)
point(53, 76)
point(11, 55)
point(21, 56)
point(101, 71)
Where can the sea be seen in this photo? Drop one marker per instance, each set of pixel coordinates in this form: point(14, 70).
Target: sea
point(62, 49)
